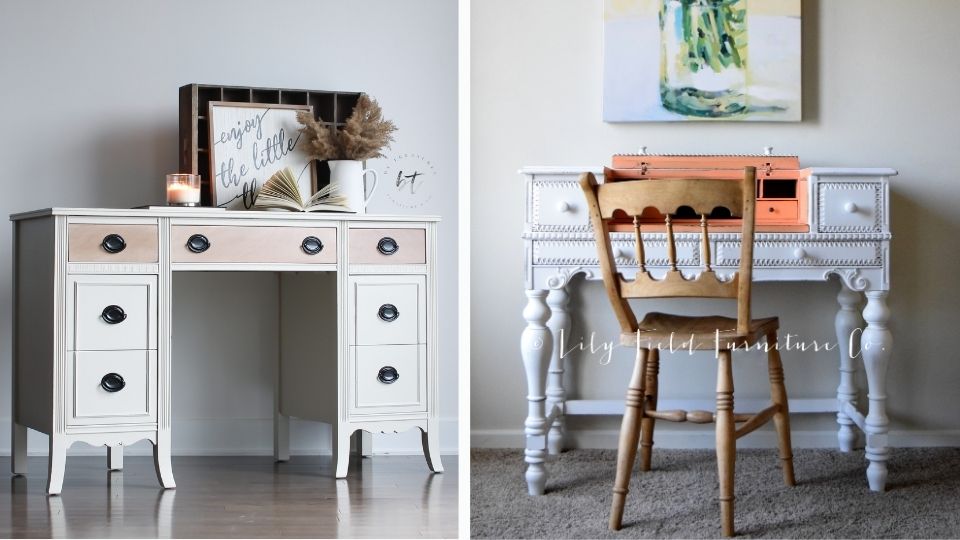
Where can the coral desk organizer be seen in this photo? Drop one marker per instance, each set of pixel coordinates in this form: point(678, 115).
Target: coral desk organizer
point(92, 344)
point(811, 224)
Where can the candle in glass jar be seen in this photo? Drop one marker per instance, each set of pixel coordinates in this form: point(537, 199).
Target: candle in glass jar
point(183, 189)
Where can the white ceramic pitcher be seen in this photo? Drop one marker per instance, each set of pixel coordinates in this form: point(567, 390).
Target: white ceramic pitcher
point(350, 178)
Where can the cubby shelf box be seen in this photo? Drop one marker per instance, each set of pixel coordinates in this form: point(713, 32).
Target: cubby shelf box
point(330, 106)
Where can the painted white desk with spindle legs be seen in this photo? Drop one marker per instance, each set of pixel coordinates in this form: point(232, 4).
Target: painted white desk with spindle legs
point(92, 320)
point(849, 237)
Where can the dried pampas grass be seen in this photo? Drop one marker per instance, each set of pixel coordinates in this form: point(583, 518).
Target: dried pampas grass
point(364, 136)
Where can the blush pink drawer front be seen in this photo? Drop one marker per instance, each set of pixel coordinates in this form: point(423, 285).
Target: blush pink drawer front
point(388, 246)
point(253, 244)
point(121, 243)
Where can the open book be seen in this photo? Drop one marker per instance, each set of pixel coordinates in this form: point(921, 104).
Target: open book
point(280, 191)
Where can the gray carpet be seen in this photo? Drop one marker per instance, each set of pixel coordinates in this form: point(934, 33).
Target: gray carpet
point(677, 499)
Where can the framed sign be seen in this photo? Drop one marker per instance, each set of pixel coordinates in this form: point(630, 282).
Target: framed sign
point(249, 142)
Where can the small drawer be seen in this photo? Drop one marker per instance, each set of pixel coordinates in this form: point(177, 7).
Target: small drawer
point(121, 243)
point(388, 246)
point(557, 204)
point(253, 244)
point(112, 312)
point(388, 379)
point(850, 207)
point(388, 310)
point(777, 211)
point(112, 387)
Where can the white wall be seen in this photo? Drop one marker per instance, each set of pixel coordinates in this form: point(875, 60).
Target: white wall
point(880, 89)
point(90, 119)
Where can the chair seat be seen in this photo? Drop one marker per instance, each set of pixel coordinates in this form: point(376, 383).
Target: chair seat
point(681, 332)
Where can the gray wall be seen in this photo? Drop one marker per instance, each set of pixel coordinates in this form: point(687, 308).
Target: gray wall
point(90, 119)
point(880, 85)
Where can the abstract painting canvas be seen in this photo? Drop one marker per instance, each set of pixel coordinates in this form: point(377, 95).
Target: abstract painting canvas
point(677, 60)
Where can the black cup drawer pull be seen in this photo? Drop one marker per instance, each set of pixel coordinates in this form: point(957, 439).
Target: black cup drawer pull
point(198, 243)
point(388, 312)
point(311, 245)
point(113, 315)
point(113, 243)
point(387, 246)
point(388, 375)
point(112, 382)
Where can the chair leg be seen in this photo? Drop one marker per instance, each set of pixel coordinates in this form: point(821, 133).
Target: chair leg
point(647, 424)
point(726, 441)
point(629, 437)
point(781, 419)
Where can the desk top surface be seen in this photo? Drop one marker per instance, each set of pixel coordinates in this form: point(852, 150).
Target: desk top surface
point(219, 213)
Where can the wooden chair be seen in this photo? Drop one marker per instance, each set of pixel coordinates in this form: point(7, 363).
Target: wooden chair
point(701, 333)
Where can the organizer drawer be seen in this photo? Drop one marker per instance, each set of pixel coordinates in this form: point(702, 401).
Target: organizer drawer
point(777, 211)
point(388, 246)
point(388, 379)
point(388, 310)
point(253, 244)
point(116, 243)
point(112, 312)
point(112, 387)
point(850, 207)
point(557, 204)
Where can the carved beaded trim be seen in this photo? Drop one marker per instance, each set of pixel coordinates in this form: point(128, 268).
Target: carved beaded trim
point(593, 260)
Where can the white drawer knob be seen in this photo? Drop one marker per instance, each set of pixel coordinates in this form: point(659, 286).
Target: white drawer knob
point(849, 208)
point(564, 206)
point(800, 253)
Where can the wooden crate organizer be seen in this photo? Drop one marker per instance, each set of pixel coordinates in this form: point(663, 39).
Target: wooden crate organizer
point(330, 106)
point(782, 191)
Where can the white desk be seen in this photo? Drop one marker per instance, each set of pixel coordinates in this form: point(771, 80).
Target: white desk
point(92, 319)
point(849, 237)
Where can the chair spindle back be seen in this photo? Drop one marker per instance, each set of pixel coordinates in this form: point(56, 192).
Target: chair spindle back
point(632, 197)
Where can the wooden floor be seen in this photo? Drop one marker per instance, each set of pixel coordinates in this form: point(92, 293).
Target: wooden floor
point(234, 497)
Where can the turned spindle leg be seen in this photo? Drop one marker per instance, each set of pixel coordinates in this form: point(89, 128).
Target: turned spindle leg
point(559, 325)
point(781, 419)
point(848, 320)
point(536, 343)
point(726, 440)
point(647, 424)
point(629, 436)
point(877, 346)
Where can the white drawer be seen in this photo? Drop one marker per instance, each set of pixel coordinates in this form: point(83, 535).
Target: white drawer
point(387, 379)
point(557, 204)
point(112, 312)
point(112, 387)
point(388, 310)
point(584, 252)
point(850, 207)
point(792, 254)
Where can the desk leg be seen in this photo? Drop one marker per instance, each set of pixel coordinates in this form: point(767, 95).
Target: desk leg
point(847, 321)
point(18, 447)
point(57, 463)
point(559, 325)
point(161, 459)
point(340, 444)
point(536, 343)
point(115, 457)
point(877, 344)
